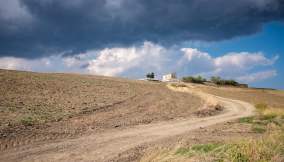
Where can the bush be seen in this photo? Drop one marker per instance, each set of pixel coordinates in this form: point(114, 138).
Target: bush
point(28, 121)
point(217, 80)
point(178, 85)
point(192, 79)
point(269, 117)
point(150, 75)
point(246, 120)
point(258, 129)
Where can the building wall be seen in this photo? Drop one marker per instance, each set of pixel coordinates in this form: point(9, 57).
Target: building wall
point(169, 77)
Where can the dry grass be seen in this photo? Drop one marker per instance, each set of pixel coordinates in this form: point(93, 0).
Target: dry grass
point(274, 112)
point(177, 85)
point(270, 147)
point(272, 98)
point(209, 100)
point(268, 123)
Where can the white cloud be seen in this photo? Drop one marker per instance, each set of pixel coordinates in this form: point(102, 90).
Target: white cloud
point(195, 61)
point(254, 77)
point(13, 63)
point(243, 60)
point(231, 65)
point(135, 61)
point(52, 63)
point(192, 53)
point(116, 61)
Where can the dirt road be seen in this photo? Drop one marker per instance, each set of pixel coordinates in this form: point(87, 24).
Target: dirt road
point(106, 146)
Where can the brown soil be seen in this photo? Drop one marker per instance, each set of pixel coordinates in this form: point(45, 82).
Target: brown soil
point(210, 111)
point(273, 98)
point(37, 107)
point(107, 145)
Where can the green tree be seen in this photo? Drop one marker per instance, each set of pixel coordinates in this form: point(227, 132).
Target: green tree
point(150, 75)
point(192, 79)
point(215, 79)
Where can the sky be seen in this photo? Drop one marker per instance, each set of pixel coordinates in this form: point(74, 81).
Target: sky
point(241, 40)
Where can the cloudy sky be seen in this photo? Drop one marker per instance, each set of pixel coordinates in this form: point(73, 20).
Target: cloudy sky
point(242, 40)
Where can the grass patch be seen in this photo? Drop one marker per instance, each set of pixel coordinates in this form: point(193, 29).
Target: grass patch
point(274, 112)
point(258, 129)
point(246, 120)
point(270, 147)
point(205, 148)
point(267, 148)
point(197, 149)
point(269, 117)
point(184, 152)
point(178, 85)
point(261, 107)
point(265, 116)
point(28, 121)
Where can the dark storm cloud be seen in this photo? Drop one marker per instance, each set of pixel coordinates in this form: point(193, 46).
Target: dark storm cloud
point(42, 27)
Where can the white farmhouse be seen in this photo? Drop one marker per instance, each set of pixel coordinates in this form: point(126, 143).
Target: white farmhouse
point(172, 77)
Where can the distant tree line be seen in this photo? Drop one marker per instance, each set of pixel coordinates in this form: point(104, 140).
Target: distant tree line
point(215, 79)
point(193, 79)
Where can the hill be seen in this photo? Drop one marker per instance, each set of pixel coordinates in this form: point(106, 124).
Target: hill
point(63, 117)
point(39, 106)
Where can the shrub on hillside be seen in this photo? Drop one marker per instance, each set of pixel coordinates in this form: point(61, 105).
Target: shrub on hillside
point(192, 79)
point(176, 85)
point(217, 80)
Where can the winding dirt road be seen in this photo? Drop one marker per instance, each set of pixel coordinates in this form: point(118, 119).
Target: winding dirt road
point(107, 145)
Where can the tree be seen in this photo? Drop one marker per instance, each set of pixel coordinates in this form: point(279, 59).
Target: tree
point(192, 79)
point(150, 75)
point(215, 79)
